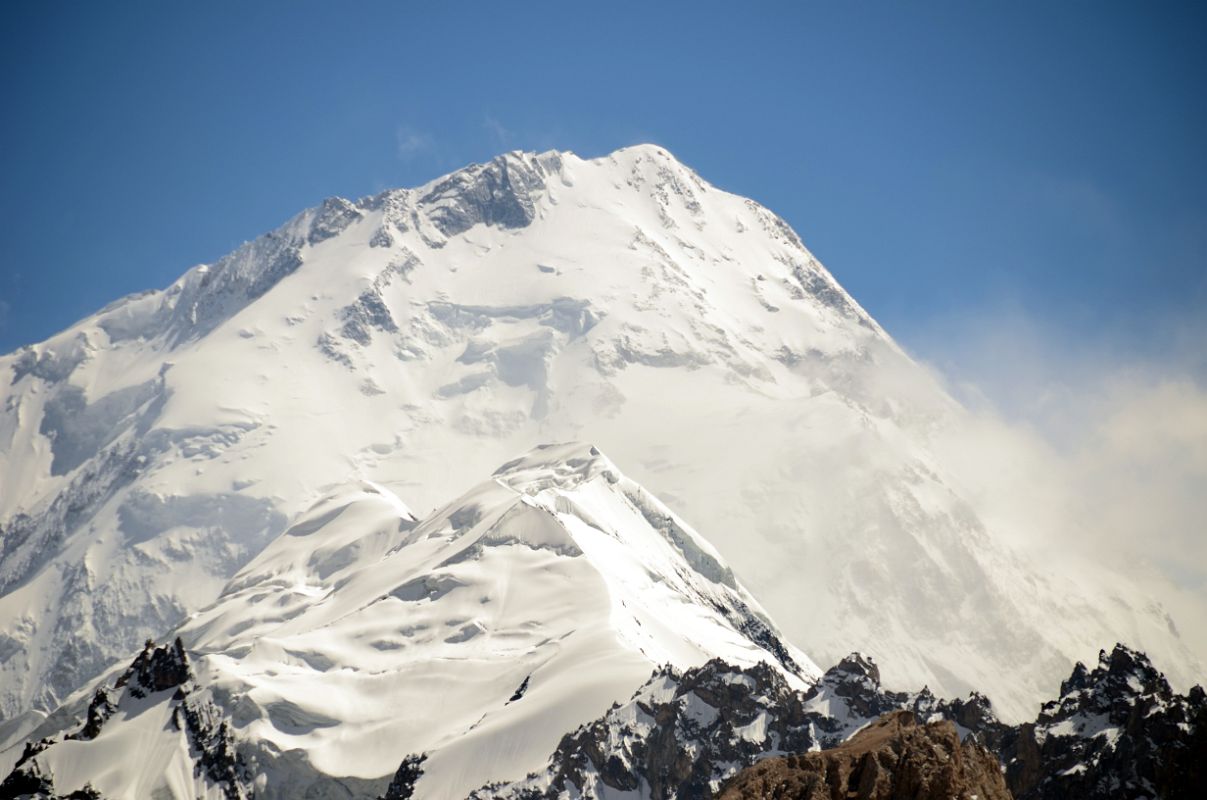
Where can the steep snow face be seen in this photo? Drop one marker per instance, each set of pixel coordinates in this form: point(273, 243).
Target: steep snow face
point(419, 337)
point(479, 636)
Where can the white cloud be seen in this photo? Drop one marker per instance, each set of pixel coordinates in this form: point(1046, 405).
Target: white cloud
point(1074, 446)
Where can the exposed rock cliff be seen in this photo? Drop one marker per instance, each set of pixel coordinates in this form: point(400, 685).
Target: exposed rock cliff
point(894, 757)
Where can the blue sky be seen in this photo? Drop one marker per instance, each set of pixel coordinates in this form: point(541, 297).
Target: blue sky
point(956, 165)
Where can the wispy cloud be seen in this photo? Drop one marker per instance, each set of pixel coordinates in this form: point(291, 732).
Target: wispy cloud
point(412, 142)
point(501, 136)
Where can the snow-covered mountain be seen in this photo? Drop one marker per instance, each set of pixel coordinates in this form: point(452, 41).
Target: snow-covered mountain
point(477, 637)
point(417, 338)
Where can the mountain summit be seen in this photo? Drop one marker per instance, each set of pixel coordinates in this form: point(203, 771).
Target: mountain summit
point(417, 338)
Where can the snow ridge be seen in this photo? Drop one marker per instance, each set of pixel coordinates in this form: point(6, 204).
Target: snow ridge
point(518, 611)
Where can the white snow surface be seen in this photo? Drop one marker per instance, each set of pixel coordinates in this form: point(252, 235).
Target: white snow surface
point(418, 338)
point(360, 636)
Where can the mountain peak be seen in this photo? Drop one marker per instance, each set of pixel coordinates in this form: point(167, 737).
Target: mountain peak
point(648, 151)
point(1123, 680)
point(564, 465)
point(857, 667)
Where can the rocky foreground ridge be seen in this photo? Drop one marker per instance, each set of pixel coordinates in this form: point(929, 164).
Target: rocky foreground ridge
point(1116, 730)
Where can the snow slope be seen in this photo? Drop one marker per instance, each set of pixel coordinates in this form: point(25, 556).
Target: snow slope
point(512, 615)
point(419, 337)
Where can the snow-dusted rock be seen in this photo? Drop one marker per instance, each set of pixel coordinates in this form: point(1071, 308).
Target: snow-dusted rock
point(685, 733)
point(1115, 731)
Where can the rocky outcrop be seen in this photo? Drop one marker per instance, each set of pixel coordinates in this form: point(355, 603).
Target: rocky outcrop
point(498, 193)
point(27, 777)
point(402, 786)
point(100, 709)
point(894, 757)
point(157, 669)
point(212, 746)
point(1118, 730)
point(331, 218)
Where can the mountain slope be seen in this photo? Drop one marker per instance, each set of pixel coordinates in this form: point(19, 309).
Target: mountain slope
point(419, 337)
point(517, 612)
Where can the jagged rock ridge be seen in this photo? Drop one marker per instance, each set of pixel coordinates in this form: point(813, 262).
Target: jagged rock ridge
point(1116, 730)
point(684, 734)
point(687, 735)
